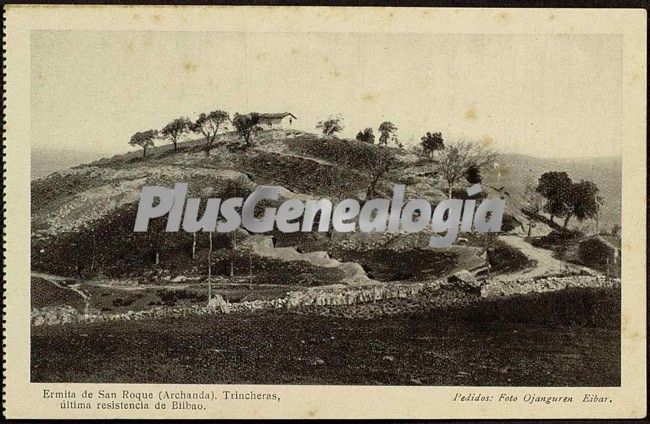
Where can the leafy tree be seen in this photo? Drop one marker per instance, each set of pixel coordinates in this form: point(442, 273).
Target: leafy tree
point(457, 158)
point(378, 162)
point(387, 130)
point(246, 125)
point(432, 142)
point(583, 202)
point(144, 139)
point(367, 136)
point(473, 174)
point(331, 126)
point(208, 125)
point(567, 199)
point(175, 129)
point(556, 188)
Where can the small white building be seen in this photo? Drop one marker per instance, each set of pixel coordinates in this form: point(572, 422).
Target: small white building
point(272, 121)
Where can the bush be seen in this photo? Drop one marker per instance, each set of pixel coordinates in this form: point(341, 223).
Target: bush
point(509, 223)
point(594, 253)
point(503, 257)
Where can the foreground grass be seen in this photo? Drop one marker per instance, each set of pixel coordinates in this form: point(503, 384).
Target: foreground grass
point(474, 345)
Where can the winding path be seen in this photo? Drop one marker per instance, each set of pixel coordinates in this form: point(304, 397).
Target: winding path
point(57, 281)
point(546, 263)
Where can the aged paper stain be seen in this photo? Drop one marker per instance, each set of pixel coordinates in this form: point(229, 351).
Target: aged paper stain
point(369, 97)
point(189, 67)
point(471, 115)
point(487, 141)
point(503, 17)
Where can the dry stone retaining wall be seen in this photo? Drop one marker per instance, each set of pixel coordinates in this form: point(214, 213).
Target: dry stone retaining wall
point(322, 297)
point(547, 284)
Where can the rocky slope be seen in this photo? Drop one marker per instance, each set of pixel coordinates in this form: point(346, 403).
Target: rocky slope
point(82, 217)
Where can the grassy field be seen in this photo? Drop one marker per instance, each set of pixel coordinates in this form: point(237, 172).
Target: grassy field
point(44, 293)
point(113, 300)
point(567, 338)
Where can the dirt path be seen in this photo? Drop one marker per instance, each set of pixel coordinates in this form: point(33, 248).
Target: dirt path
point(180, 286)
point(57, 281)
point(545, 262)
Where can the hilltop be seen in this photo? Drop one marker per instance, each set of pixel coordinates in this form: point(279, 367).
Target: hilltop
point(82, 217)
point(88, 262)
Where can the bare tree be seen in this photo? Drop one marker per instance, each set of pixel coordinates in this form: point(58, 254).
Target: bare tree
point(458, 157)
point(533, 202)
point(378, 162)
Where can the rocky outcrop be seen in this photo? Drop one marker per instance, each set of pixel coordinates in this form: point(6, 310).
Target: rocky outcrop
point(262, 245)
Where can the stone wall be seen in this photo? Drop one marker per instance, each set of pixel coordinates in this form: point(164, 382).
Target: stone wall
point(326, 296)
point(547, 284)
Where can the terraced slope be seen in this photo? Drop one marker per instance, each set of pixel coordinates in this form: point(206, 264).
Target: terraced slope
point(82, 217)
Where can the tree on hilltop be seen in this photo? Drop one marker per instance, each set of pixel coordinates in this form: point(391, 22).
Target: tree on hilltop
point(457, 158)
point(144, 139)
point(432, 142)
point(208, 125)
point(367, 136)
point(175, 129)
point(246, 125)
point(331, 126)
point(387, 130)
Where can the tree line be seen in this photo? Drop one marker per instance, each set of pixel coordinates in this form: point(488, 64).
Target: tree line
point(455, 162)
point(206, 124)
point(562, 197)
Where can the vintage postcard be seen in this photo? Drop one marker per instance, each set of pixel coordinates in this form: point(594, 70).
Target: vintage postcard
point(321, 212)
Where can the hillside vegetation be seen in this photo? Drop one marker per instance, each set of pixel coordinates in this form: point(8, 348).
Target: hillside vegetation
point(82, 217)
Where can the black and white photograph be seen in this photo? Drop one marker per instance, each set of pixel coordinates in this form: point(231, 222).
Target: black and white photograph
point(244, 209)
point(326, 116)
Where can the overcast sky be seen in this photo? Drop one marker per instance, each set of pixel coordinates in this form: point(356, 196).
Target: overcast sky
point(557, 95)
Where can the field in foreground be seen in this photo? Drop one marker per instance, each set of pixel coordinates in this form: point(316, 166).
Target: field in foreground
point(566, 338)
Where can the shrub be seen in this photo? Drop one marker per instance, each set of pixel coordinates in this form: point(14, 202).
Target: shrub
point(594, 253)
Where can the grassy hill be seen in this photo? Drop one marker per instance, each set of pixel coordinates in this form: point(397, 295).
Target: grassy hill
point(82, 217)
point(82, 228)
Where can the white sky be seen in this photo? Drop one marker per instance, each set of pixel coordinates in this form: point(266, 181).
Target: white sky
point(557, 95)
